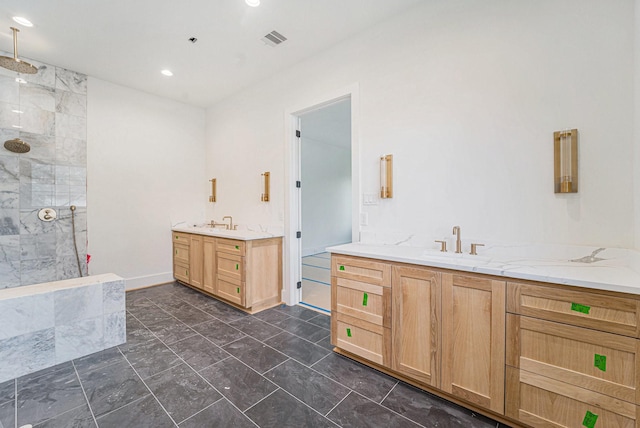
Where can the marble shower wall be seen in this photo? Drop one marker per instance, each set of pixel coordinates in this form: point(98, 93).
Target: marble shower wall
point(52, 175)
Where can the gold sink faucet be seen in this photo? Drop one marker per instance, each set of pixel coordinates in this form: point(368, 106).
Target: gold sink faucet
point(456, 231)
point(230, 225)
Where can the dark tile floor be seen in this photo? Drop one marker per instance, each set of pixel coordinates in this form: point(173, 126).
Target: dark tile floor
point(192, 361)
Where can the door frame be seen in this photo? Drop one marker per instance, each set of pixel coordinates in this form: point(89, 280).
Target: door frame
point(292, 265)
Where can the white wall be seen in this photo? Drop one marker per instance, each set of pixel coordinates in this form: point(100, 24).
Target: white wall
point(145, 172)
point(326, 194)
point(466, 95)
point(636, 121)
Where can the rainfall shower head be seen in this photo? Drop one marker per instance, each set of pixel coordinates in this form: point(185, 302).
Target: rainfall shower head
point(15, 64)
point(16, 145)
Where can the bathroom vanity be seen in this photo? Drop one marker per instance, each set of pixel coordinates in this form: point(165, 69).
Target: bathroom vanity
point(539, 343)
point(242, 268)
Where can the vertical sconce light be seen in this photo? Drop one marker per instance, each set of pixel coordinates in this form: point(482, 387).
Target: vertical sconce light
point(213, 198)
point(386, 176)
point(265, 187)
point(565, 168)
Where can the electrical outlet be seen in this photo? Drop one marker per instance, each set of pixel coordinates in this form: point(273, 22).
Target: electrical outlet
point(364, 219)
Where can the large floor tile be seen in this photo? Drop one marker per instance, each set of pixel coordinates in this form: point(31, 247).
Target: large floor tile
point(98, 360)
point(47, 396)
point(111, 387)
point(218, 332)
point(307, 385)
point(198, 352)
point(170, 331)
point(222, 311)
point(321, 320)
point(220, 414)
point(358, 412)
point(297, 311)
point(365, 380)
point(188, 314)
point(297, 348)
point(80, 417)
point(255, 354)
point(145, 412)
point(272, 316)
point(432, 411)
point(8, 414)
point(326, 343)
point(136, 333)
point(151, 315)
point(57, 371)
point(255, 328)
point(151, 357)
point(238, 383)
point(182, 392)
point(303, 329)
point(281, 410)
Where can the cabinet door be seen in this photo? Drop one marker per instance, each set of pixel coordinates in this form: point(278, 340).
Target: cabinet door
point(209, 264)
point(195, 260)
point(473, 339)
point(416, 323)
point(230, 266)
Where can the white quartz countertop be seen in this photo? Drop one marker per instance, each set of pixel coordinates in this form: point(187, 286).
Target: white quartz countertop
point(242, 235)
point(611, 269)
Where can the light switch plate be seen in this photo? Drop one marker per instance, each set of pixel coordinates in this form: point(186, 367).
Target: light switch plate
point(369, 199)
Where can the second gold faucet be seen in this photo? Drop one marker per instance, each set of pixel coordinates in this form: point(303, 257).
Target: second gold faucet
point(456, 231)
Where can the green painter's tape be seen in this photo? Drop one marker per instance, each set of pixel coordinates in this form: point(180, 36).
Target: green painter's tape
point(341, 267)
point(237, 247)
point(349, 332)
point(365, 298)
point(236, 266)
point(580, 308)
point(238, 290)
point(600, 361)
point(589, 420)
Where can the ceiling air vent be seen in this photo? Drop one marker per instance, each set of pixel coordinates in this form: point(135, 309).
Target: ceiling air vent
point(273, 38)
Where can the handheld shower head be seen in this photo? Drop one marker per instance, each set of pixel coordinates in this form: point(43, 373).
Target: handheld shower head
point(15, 64)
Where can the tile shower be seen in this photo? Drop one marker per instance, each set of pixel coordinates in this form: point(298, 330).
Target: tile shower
point(51, 175)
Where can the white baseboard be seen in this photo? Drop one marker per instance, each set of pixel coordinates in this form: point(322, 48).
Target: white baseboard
point(148, 280)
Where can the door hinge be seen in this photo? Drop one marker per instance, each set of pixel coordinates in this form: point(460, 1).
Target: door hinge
point(298, 134)
point(298, 234)
point(298, 184)
point(299, 284)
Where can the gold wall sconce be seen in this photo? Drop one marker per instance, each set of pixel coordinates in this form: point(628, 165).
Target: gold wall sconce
point(386, 176)
point(565, 165)
point(266, 184)
point(213, 196)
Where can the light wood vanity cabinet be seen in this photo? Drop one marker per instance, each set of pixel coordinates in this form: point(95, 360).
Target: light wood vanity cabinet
point(572, 357)
point(247, 274)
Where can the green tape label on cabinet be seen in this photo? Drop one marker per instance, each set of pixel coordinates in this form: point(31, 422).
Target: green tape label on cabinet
point(349, 332)
point(600, 361)
point(364, 299)
point(238, 290)
point(580, 308)
point(589, 420)
point(341, 267)
point(237, 247)
point(236, 266)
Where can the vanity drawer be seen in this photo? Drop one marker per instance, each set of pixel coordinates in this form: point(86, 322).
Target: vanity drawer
point(231, 246)
point(182, 238)
point(597, 361)
point(181, 272)
point(371, 303)
point(544, 402)
point(231, 290)
point(367, 340)
point(181, 253)
point(230, 266)
point(577, 307)
point(361, 270)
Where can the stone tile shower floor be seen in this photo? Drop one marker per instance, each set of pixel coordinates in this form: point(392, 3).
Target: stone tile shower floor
point(194, 362)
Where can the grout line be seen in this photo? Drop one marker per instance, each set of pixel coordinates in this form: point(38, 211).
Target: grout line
point(305, 404)
point(339, 402)
point(200, 411)
point(84, 393)
point(392, 388)
point(389, 409)
point(262, 399)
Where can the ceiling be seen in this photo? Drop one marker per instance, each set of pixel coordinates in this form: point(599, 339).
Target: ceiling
point(128, 42)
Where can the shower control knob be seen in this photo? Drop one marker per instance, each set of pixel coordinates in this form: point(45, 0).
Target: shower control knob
point(47, 214)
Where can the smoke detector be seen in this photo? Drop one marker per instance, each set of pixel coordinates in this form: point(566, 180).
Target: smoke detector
point(273, 38)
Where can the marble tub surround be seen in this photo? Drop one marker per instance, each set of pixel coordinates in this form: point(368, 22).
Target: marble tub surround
point(617, 271)
point(243, 232)
point(51, 323)
point(51, 175)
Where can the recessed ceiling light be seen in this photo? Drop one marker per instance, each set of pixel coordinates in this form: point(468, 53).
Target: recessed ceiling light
point(17, 111)
point(252, 3)
point(167, 73)
point(20, 80)
point(17, 126)
point(23, 21)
